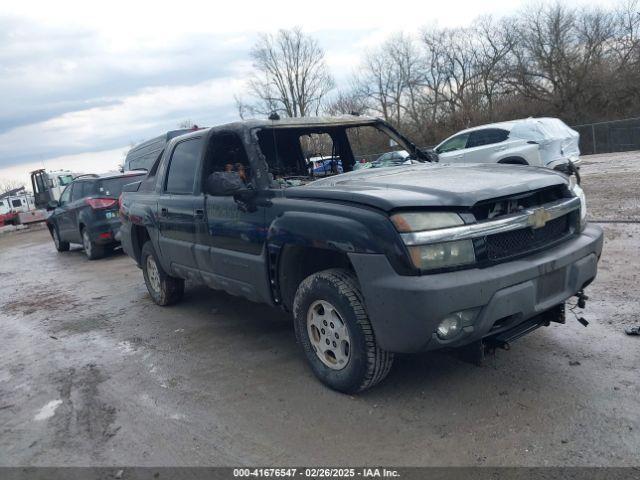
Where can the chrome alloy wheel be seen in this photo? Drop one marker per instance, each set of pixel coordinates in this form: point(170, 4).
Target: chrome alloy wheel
point(152, 274)
point(328, 335)
point(86, 243)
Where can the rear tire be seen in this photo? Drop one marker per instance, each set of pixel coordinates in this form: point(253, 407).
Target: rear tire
point(163, 288)
point(92, 250)
point(61, 246)
point(332, 299)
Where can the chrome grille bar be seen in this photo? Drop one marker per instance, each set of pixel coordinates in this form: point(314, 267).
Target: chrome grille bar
point(531, 217)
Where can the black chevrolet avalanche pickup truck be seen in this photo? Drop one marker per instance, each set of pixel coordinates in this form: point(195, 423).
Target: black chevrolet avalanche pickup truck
point(370, 262)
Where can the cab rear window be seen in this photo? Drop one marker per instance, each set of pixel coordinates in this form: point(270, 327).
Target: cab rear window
point(112, 187)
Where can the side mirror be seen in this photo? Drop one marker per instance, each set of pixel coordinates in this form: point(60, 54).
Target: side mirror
point(53, 204)
point(431, 154)
point(428, 154)
point(221, 184)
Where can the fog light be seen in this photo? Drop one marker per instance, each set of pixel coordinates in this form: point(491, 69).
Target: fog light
point(451, 325)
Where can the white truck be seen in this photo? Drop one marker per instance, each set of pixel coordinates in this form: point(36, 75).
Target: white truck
point(48, 186)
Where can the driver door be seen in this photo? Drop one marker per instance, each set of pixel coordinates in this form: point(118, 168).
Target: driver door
point(62, 215)
point(231, 235)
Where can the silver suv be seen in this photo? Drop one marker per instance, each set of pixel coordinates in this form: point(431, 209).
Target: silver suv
point(543, 142)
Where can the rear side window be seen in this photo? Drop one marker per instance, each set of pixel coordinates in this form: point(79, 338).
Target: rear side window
point(112, 187)
point(487, 136)
point(182, 167)
point(82, 190)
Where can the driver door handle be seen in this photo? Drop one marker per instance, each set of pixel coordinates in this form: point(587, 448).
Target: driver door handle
point(164, 212)
point(199, 213)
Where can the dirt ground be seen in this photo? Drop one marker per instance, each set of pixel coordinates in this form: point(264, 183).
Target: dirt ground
point(93, 373)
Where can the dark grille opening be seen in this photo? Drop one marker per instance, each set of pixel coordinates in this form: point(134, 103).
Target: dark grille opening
point(508, 244)
point(515, 203)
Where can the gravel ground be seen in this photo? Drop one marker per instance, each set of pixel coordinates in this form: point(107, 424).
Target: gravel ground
point(93, 373)
point(612, 184)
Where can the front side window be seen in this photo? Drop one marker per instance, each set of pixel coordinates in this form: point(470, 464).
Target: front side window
point(66, 195)
point(182, 167)
point(226, 153)
point(455, 143)
point(40, 187)
point(16, 203)
point(64, 180)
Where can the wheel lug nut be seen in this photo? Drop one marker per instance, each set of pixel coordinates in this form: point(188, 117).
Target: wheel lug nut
point(322, 330)
point(331, 324)
point(337, 336)
point(324, 322)
point(327, 340)
point(335, 344)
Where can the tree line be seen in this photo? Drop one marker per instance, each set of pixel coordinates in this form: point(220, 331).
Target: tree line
point(579, 64)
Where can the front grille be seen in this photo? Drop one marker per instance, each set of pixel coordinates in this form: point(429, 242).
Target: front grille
point(516, 242)
point(515, 203)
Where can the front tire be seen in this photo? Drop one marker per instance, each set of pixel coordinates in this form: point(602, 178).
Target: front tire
point(332, 325)
point(163, 288)
point(61, 246)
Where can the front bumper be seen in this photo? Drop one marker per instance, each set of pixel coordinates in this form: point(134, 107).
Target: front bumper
point(405, 310)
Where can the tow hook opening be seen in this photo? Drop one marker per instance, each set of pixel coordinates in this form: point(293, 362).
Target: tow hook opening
point(477, 351)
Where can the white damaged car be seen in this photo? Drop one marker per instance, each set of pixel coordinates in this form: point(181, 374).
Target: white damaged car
point(543, 142)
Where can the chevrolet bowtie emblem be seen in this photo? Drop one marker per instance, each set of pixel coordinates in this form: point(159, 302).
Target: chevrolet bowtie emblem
point(539, 218)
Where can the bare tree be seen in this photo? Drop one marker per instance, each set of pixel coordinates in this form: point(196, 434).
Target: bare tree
point(391, 78)
point(290, 77)
point(494, 46)
point(435, 77)
point(580, 64)
point(188, 123)
point(347, 102)
point(7, 184)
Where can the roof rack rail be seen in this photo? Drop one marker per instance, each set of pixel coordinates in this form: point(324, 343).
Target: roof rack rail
point(93, 175)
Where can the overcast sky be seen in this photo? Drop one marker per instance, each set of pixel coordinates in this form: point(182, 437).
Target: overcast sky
point(80, 81)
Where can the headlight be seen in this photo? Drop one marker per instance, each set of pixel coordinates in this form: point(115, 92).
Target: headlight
point(578, 192)
point(442, 255)
point(419, 221)
point(436, 255)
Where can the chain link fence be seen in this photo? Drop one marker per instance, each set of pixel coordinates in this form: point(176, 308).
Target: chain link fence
point(607, 137)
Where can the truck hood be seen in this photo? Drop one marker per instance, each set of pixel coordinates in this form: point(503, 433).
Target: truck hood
point(428, 185)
